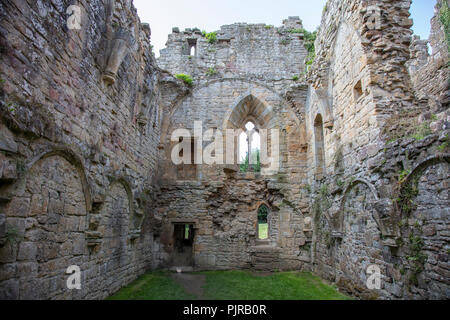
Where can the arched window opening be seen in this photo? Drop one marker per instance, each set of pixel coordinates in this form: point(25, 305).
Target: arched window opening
point(192, 45)
point(263, 223)
point(249, 149)
point(319, 145)
point(192, 51)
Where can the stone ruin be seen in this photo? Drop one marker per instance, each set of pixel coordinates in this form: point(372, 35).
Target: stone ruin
point(86, 176)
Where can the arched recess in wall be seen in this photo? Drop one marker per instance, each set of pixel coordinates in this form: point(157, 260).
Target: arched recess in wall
point(360, 239)
point(49, 211)
point(319, 145)
point(425, 219)
point(115, 224)
point(135, 219)
point(409, 188)
point(74, 160)
point(370, 195)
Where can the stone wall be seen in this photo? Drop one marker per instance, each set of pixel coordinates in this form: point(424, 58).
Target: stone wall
point(86, 176)
point(225, 218)
point(377, 134)
point(80, 126)
point(430, 73)
point(251, 73)
point(250, 51)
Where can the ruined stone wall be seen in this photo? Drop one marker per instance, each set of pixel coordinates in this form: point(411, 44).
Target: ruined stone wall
point(80, 125)
point(374, 139)
point(430, 73)
point(225, 218)
point(86, 176)
point(243, 50)
point(248, 74)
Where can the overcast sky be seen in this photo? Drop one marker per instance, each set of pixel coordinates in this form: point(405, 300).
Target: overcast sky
point(209, 15)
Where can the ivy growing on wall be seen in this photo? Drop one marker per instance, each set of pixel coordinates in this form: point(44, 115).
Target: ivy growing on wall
point(444, 15)
point(310, 39)
point(321, 204)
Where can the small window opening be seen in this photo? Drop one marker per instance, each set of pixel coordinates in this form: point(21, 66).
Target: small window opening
point(192, 43)
point(319, 145)
point(263, 225)
point(357, 91)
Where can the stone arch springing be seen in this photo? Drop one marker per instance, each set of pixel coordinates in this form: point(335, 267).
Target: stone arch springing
point(409, 187)
point(73, 159)
point(253, 109)
point(339, 219)
point(134, 219)
point(115, 227)
point(423, 205)
point(178, 101)
point(319, 145)
point(49, 195)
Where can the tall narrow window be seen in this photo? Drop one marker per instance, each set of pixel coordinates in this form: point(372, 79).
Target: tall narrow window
point(249, 149)
point(192, 44)
point(319, 145)
point(263, 225)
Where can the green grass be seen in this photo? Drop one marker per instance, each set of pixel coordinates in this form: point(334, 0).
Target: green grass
point(233, 285)
point(153, 286)
point(240, 285)
point(185, 77)
point(263, 231)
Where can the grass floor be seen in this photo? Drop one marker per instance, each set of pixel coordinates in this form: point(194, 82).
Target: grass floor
point(263, 230)
point(153, 286)
point(232, 285)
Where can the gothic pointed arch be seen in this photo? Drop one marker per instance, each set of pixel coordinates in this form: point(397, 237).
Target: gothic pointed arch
point(250, 108)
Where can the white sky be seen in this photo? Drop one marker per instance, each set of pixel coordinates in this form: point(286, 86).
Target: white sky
point(209, 15)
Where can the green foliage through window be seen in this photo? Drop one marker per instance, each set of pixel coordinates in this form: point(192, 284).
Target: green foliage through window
point(310, 38)
point(262, 214)
point(246, 167)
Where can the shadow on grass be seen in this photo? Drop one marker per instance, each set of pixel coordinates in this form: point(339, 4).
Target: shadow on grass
point(232, 285)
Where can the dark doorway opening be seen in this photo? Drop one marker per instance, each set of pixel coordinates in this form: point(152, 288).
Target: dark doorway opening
point(183, 234)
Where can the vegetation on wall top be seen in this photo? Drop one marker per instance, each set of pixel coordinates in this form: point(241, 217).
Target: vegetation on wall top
point(186, 78)
point(310, 39)
point(211, 36)
point(444, 15)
